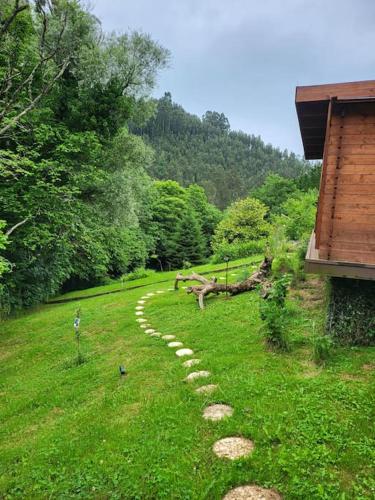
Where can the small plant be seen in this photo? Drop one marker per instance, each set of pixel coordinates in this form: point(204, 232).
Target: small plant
point(274, 313)
point(322, 347)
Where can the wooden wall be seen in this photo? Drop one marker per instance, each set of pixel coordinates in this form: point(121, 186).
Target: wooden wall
point(345, 227)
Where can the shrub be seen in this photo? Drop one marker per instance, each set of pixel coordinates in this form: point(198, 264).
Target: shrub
point(242, 222)
point(137, 274)
point(274, 314)
point(238, 251)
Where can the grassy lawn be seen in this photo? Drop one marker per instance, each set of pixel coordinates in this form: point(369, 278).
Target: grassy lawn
point(81, 431)
point(158, 277)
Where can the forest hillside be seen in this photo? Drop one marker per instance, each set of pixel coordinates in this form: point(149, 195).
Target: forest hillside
point(226, 163)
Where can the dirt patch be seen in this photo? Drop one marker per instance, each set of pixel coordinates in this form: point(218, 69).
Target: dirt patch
point(252, 492)
point(368, 367)
point(233, 447)
point(351, 377)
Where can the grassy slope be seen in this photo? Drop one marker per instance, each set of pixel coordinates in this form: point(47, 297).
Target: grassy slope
point(168, 276)
point(80, 431)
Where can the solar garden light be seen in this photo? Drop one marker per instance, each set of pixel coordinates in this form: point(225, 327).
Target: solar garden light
point(76, 323)
point(122, 370)
point(226, 260)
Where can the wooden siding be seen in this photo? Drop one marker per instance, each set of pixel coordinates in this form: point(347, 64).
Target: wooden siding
point(345, 227)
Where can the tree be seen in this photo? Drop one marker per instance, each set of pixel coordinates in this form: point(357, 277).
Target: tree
point(274, 192)
point(243, 221)
point(227, 164)
point(190, 248)
point(39, 42)
point(206, 213)
point(298, 215)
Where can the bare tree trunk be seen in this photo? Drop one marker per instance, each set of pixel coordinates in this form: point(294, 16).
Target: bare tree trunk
point(211, 286)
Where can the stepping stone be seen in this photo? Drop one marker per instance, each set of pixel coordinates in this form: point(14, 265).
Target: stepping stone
point(141, 320)
point(160, 291)
point(150, 294)
point(175, 344)
point(252, 492)
point(150, 330)
point(170, 289)
point(221, 278)
point(155, 334)
point(233, 274)
point(184, 352)
point(194, 375)
point(139, 308)
point(184, 287)
point(141, 302)
point(144, 297)
point(144, 325)
point(139, 313)
point(217, 412)
point(168, 337)
point(206, 389)
point(233, 447)
point(191, 362)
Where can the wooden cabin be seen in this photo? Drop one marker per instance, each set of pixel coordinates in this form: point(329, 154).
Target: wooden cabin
point(337, 123)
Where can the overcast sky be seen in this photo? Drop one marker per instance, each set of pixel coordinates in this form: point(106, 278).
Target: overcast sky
point(245, 57)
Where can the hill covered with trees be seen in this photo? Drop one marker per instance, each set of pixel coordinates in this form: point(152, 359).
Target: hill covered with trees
point(226, 163)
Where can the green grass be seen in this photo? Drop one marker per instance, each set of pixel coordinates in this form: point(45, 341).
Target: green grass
point(117, 285)
point(81, 431)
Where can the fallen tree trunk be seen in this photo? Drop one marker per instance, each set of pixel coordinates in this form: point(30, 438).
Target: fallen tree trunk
point(211, 286)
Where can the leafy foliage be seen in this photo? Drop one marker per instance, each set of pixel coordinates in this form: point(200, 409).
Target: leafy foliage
point(351, 314)
point(274, 313)
point(227, 164)
point(243, 221)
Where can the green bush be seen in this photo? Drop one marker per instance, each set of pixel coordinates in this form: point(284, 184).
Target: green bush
point(274, 314)
point(238, 251)
point(138, 273)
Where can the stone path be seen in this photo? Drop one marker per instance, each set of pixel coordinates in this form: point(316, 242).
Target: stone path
point(232, 448)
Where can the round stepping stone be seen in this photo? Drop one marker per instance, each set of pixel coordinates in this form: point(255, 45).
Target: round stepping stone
point(144, 297)
point(139, 313)
point(160, 291)
point(252, 492)
point(141, 320)
point(170, 289)
point(184, 352)
point(150, 294)
point(168, 337)
point(144, 325)
point(221, 278)
point(206, 389)
point(139, 308)
point(184, 287)
point(194, 375)
point(175, 344)
point(155, 334)
point(233, 447)
point(217, 412)
point(191, 362)
point(141, 302)
point(150, 330)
